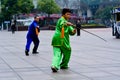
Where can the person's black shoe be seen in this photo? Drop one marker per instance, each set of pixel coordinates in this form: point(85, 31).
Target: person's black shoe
point(54, 69)
point(35, 52)
point(26, 53)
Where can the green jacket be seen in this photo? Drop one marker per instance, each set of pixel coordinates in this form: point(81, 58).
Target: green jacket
point(57, 40)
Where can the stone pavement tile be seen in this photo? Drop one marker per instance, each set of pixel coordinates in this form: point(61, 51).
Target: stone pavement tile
point(109, 69)
point(115, 72)
point(37, 60)
point(5, 70)
point(4, 66)
point(86, 61)
point(12, 49)
point(96, 74)
point(7, 74)
point(85, 70)
point(89, 60)
point(108, 53)
point(43, 54)
point(9, 78)
point(2, 50)
point(64, 74)
point(107, 78)
point(70, 78)
point(15, 62)
point(69, 75)
point(35, 75)
point(83, 61)
point(107, 60)
point(104, 65)
point(74, 65)
point(18, 64)
point(26, 69)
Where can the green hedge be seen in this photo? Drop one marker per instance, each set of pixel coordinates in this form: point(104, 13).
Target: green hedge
point(93, 26)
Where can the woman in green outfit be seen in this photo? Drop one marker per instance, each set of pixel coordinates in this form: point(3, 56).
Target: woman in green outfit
point(61, 42)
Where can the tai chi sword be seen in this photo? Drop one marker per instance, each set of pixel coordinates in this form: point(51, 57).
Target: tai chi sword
point(91, 33)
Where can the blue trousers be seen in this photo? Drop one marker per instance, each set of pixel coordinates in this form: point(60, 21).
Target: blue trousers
point(35, 41)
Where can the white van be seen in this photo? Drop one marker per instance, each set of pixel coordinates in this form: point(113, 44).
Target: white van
point(116, 23)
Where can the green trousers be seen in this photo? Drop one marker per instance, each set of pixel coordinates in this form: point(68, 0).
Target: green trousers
point(61, 57)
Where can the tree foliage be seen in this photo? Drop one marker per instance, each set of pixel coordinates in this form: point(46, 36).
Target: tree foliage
point(103, 13)
point(25, 6)
point(48, 6)
point(12, 7)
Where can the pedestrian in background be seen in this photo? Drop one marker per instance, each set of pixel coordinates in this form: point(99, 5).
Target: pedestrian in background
point(61, 42)
point(13, 27)
point(32, 36)
point(78, 26)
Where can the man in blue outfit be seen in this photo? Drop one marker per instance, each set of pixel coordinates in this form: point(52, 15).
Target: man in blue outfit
point(32, 35)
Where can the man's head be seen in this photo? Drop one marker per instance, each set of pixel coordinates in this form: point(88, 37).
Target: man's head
point(37, 18)
point(66, 13)
point(78, 20)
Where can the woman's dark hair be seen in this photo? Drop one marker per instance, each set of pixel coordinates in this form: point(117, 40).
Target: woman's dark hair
point(65, 10)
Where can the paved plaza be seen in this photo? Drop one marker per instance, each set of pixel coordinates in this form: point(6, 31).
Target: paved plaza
point(91, 59)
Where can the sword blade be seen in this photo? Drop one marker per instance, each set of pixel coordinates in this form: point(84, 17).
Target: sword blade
point(94, 35)
point(91, 33)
